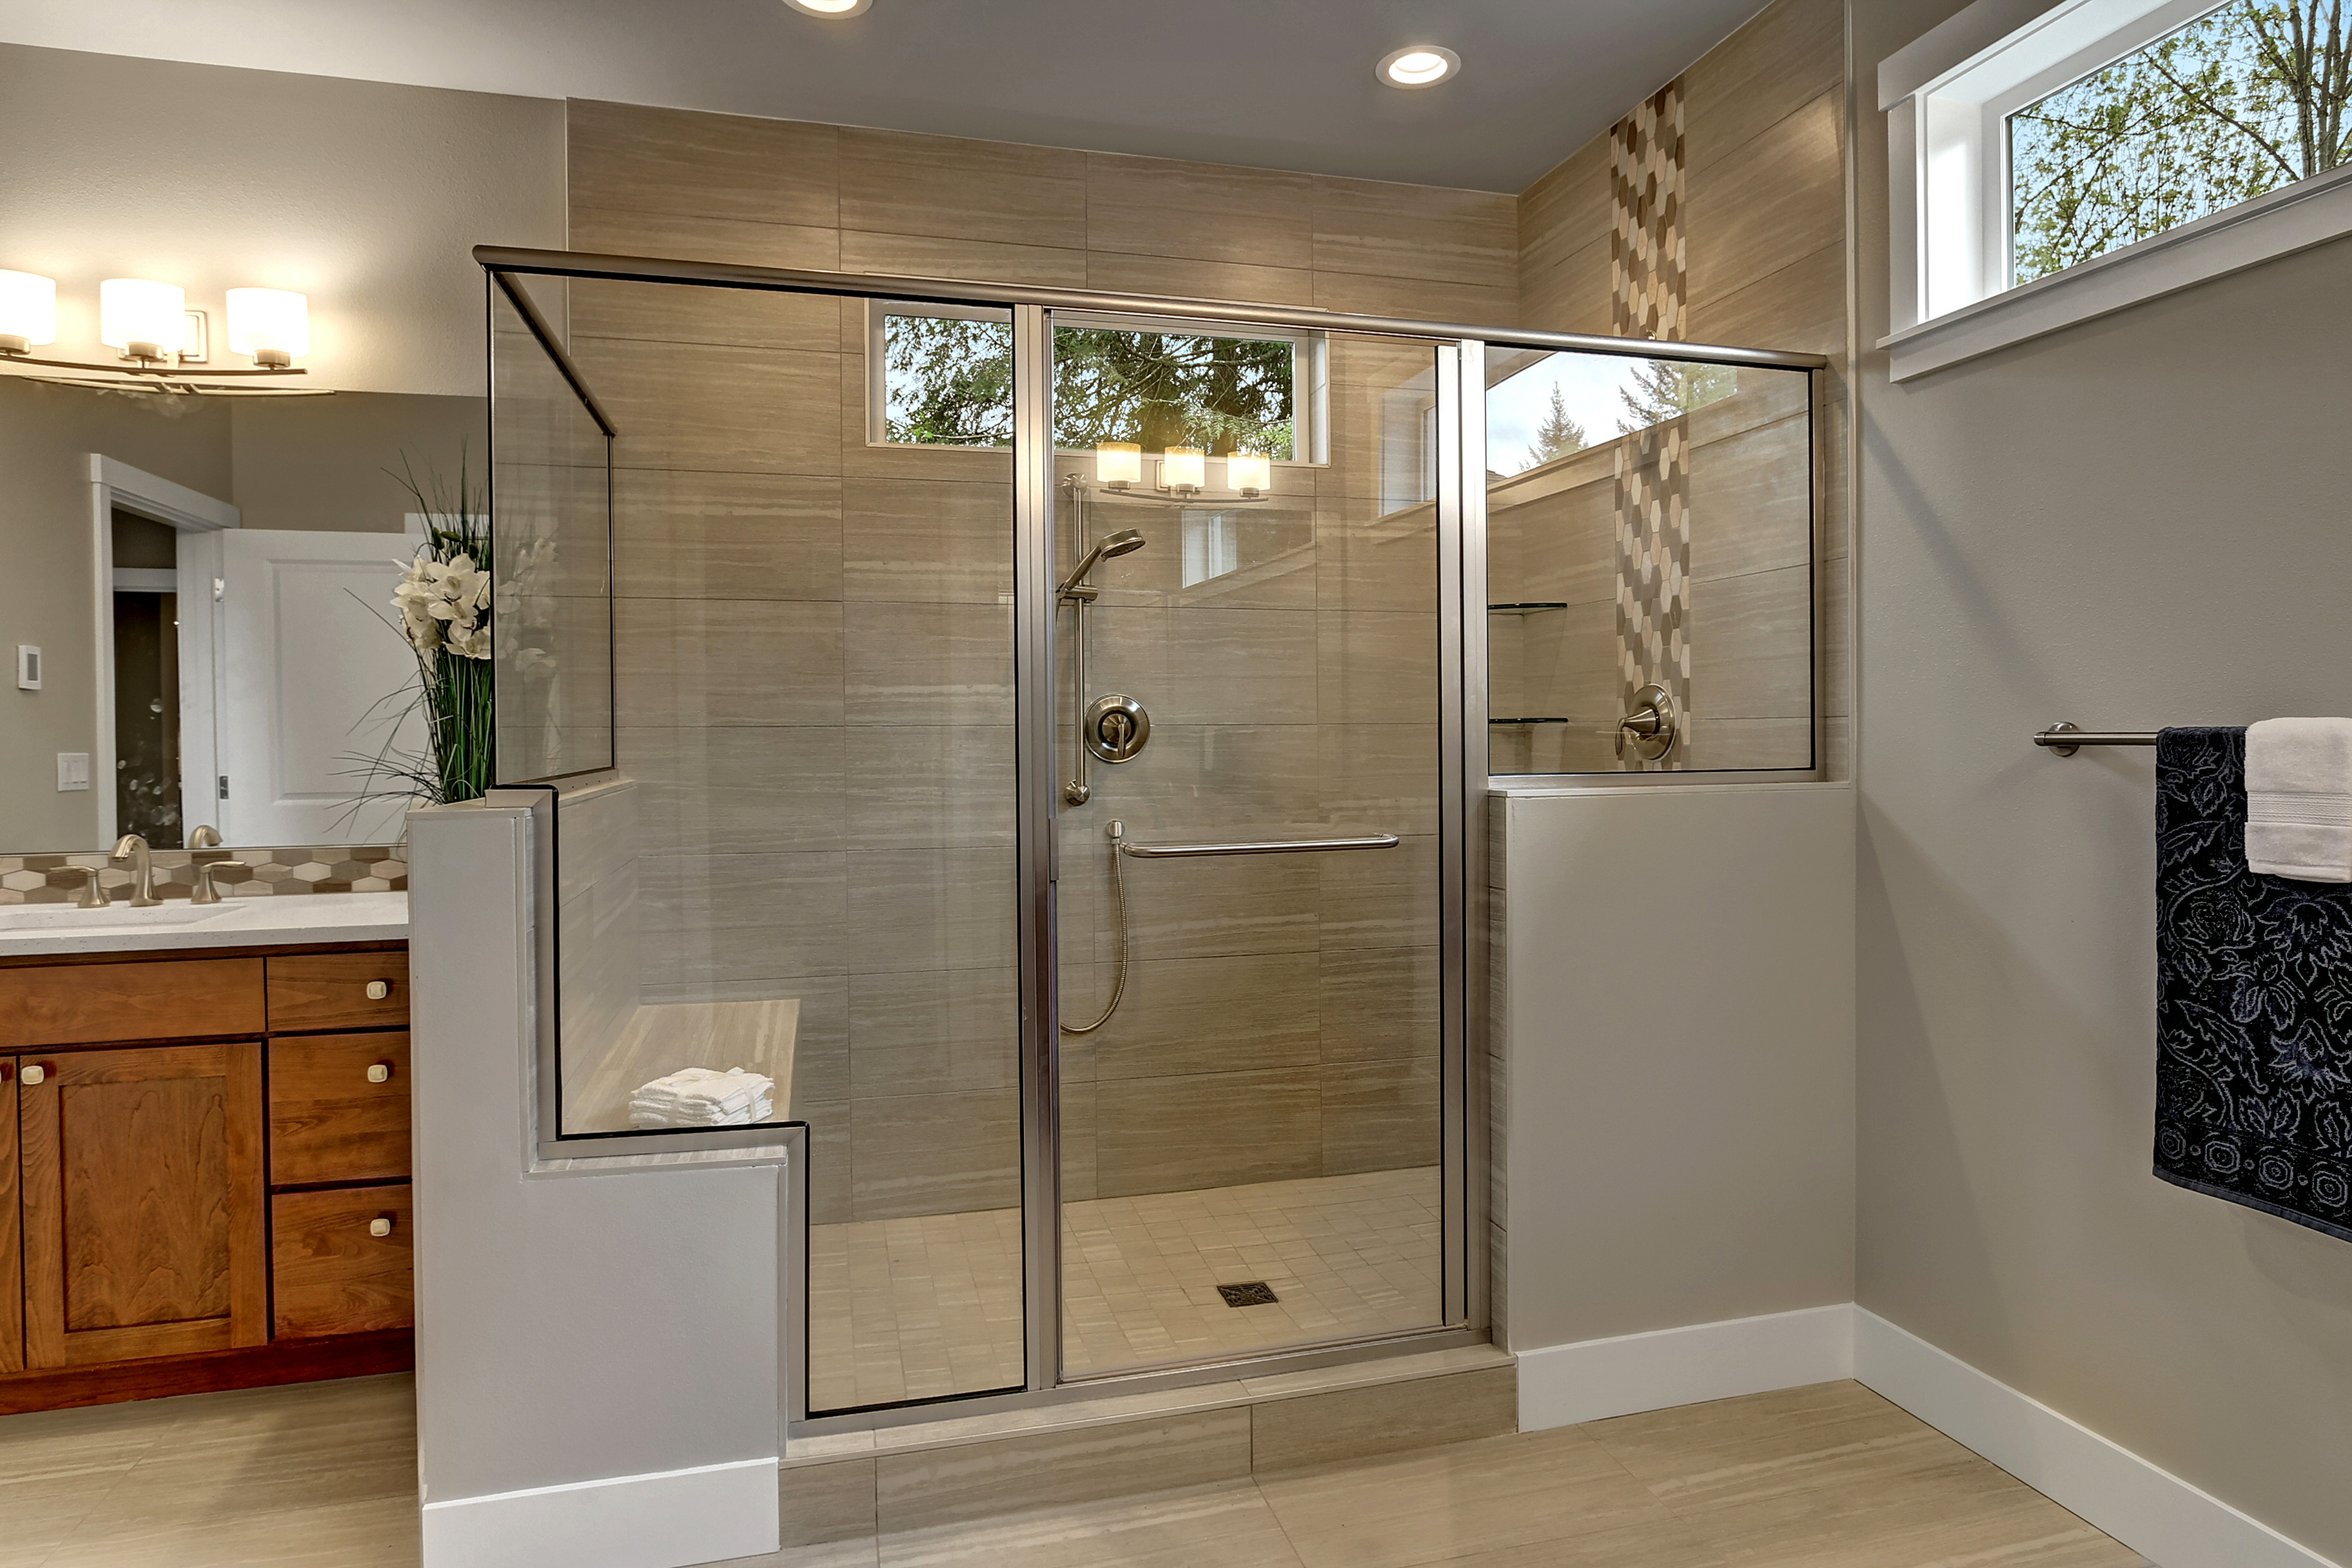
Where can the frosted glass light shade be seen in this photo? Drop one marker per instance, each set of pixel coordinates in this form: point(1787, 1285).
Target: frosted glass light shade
point(1249, 471)
point(1184, 467)
point(135, 311)
point(273, 325)
point(1119, 463)
point(28, 311)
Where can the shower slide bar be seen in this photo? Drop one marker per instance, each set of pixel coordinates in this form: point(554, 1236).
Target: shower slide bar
point(1266, 847)
point(2064, 739)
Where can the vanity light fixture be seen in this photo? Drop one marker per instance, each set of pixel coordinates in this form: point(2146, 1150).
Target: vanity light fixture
point(149, 321)
point(1252, 473)
point(1419, 65)
point(1117, 464)
point(28, 311)
point(1184, 470)
point(829, 8)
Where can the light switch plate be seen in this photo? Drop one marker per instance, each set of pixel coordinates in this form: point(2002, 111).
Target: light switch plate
point(73, 770)
point(28, 668)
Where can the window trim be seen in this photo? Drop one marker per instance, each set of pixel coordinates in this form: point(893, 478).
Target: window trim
point(1310, 370)
point(1948, 98)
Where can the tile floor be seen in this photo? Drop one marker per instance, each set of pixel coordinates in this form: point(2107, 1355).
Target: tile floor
point(913, 1308)
point(322, 1476)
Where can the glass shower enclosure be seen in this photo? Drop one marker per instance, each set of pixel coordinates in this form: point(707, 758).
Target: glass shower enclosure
point(1047, 735)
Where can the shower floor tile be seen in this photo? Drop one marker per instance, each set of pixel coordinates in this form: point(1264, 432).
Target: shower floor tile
point(918, 1309)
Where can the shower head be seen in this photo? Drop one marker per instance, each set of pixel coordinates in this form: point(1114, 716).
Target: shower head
point(1108, 545)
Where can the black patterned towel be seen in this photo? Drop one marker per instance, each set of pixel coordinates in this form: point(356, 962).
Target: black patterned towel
point(2253, 1003)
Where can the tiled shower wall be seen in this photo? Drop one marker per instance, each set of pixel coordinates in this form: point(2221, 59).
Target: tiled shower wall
point(816, 697)
point(1762, 224)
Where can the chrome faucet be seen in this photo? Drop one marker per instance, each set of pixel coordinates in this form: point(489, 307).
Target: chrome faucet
point(134, 849)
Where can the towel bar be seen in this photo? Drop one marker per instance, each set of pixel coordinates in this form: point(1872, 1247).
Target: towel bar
point(1276, 846)
point(2066, 740)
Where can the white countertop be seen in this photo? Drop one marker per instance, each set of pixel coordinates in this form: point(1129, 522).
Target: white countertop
point(275, 920)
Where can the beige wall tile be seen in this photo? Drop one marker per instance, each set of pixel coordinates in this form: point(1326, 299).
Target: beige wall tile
point(1775, 200)
point(1185, 278)
point(1565, 211)
point(709, 165)
point(1751, 645)
point(979, 260)
point(1196, 779)
point(1376, 1004)
point(702, 405)
point(1380, 897)
point(721, 661)
point(1377, 778)
point(1222, 904)
point(1355, 1423)
point(929, 540)
point(742, 789)
point(1746, 743)
point(1418, 298)
point(1429, 232)
point(685, 236)
point(1800, 307)
point(942, 1029)
point(1782, 58)
point(796, 901)
point(687, 313)
point(1202, 212)
point(951, 1485)
point(935, 1153)
point(1381, 1116)
point(920, 664)
point(680, 534)
point(1210, 1014)
point(831, 1504)
point(1571, 295)
point(1368, 562)
point(897, 182)
point(1751, 501)
point(1251, 666)
point(946, 786)
point(1376, 667)
point(1231, 1127)
point(931, 909)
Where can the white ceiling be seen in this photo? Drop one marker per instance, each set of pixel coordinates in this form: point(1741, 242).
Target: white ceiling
point(1275, 83)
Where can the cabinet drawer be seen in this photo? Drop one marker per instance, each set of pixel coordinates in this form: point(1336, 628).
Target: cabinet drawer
point(332, 1277)
point(329, 991)
point(97, 1003)
point(327, 1121)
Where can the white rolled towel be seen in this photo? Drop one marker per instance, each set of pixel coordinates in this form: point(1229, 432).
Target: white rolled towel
point(699, 1097)
point(2299, 799)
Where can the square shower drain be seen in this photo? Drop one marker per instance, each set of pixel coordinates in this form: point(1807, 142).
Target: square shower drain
point(1251, 1293)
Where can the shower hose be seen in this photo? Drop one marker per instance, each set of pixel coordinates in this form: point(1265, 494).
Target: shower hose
point(1117, 832)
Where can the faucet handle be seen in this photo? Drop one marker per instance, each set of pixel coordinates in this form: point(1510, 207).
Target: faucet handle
point(93, 892)
point(206, 893)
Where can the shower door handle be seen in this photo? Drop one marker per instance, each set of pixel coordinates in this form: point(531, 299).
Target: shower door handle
point(1266, 847)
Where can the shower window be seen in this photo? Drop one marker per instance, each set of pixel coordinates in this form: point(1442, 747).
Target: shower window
point(941, 375)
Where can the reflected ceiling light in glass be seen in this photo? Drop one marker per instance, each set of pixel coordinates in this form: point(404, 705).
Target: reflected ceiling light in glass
point(829, 7)
point(1118, 464)
point(1183, 470)
point(273, 325)
point(1419, 65)
point(28, 311)
point(145, 320)
point(1249, 472)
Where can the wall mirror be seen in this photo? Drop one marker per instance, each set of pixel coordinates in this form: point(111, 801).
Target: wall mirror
point(198, 612)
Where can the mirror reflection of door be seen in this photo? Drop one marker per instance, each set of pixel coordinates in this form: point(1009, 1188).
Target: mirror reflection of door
point(147, 771)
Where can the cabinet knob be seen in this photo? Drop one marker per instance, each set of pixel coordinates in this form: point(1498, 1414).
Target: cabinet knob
point(378, 1072)
point(379, 1226)
point(377, 990)
point(37, 1073)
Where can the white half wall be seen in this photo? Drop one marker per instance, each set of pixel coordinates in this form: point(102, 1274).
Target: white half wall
point(1675, 1057)
point(593, 1338)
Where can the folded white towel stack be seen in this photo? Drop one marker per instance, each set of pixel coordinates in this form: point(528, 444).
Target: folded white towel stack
point(698, 1097)
point(2299, 799)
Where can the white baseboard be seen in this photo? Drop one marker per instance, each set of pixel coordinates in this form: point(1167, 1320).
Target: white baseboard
point(1561, 1386)
point(665, 1520)
point(2149, 1510)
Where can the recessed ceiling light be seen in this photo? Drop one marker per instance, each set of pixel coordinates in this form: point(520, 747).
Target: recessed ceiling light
point(829, 7)
point(1422, 65)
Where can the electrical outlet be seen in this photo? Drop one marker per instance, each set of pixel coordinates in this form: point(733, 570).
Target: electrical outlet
point(73, 771)
point(28, 668)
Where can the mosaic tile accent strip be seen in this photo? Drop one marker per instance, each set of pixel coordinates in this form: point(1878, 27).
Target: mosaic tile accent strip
point(320, 869)
point(1647, 294)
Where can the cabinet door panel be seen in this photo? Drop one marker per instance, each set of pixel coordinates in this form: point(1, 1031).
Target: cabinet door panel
point(143, 1204)
point(327, 1121)
point(333, 1276)
point(12, 1282)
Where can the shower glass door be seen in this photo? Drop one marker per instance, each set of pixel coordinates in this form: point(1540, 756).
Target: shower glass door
point(1248, 800)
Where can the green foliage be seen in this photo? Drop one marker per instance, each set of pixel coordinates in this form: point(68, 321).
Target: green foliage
point(2237, 103)
point(950, 383)
point(1556, 437)
point(1663, 389)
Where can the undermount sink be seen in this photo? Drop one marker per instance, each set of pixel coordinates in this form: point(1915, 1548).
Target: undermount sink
point(61, 918)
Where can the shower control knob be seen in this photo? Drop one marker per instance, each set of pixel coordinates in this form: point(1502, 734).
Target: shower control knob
point(1115, 728)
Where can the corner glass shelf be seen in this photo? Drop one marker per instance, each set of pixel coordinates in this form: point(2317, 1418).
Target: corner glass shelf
point(1530, 721)
point(1527, 609)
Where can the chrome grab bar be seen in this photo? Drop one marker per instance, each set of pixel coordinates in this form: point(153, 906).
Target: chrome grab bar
point(1266, 847)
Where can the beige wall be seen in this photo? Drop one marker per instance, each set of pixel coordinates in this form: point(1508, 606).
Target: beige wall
point(1763, 226)
point(2133, 523)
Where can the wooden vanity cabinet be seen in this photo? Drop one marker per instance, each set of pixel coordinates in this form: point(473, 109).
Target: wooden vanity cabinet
point(205, 1179)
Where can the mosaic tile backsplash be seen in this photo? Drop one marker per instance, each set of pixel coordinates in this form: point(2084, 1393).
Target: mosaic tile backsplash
point(322, 869)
